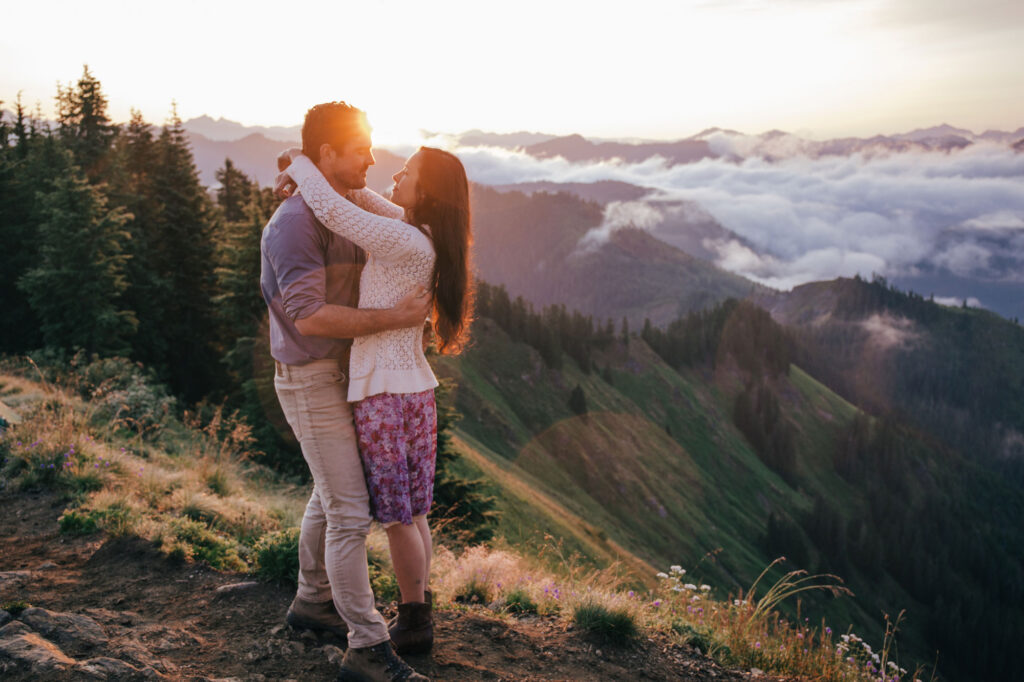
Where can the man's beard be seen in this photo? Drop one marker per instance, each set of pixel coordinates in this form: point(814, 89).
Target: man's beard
point(352, 180)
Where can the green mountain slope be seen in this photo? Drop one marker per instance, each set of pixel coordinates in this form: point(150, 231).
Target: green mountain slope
point(661, 467)
point(655, 466)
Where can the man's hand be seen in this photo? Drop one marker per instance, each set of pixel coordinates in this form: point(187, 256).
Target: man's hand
point(412, 310)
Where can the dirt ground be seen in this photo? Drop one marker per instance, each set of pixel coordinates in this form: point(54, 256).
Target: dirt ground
point(161, 619)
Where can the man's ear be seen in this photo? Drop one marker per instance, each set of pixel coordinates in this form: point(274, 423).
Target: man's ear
point(327, 152)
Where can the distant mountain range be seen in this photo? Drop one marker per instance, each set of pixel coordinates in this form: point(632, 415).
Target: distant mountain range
point(253, 148)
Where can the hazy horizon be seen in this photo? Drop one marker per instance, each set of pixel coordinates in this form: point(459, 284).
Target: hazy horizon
point(659, 71)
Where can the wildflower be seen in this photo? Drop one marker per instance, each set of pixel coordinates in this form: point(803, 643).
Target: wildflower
point(677, 569)
point(690, 586)
point(799, 635)
point(632, 593)
point(828, 630)
point(845, 638)
point(662, 574)
point(705, 588)
point(657, 603)
point(757, 645)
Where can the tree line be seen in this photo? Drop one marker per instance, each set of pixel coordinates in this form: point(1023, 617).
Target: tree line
point(113, 247)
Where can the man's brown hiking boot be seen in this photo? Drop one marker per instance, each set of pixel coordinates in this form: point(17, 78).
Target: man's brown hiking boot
point(378, 663)
point(413, 630)
point(319, 617)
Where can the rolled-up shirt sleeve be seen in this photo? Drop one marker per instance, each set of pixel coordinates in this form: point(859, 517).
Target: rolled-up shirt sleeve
point(298, 259)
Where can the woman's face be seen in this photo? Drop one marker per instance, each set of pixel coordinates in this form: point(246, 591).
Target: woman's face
point(404, 193)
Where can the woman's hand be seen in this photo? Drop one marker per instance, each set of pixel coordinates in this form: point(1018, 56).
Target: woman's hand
point(284, 186)
point(284, 159)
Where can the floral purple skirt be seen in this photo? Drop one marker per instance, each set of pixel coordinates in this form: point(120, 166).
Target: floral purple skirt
point(398, 445)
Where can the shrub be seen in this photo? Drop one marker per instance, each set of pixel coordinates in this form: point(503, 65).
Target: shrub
point(612, 625)
point(206, 545)
point(74, 522)
point(15, 607)
point(519, 602)
point(277, 556)
point(218, 482)
point(383, 580)
point(698, 639)
point(474, 592)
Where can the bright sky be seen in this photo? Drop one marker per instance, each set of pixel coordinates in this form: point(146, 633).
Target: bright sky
point(820, 68)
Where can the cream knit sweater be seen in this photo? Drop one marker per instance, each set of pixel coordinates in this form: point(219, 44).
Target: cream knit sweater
point(399, 257)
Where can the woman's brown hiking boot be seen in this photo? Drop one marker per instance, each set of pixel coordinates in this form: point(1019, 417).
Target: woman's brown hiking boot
point(413, 631)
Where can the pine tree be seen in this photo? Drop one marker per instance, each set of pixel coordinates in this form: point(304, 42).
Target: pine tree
point(27, 172)
point(77, 284)
point(464, 504)
point(133, 187)
point(182, 257)
point(578, 401)
point(234, 192)
point(83, 124)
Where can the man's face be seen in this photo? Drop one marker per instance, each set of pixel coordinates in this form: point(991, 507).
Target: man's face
point(346, 167)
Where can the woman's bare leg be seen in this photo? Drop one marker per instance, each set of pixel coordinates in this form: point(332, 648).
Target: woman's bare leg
point(428, 547)
point(407, 556)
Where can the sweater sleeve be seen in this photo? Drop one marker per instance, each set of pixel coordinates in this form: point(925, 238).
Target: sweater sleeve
point(368, 200)
point(380, 236)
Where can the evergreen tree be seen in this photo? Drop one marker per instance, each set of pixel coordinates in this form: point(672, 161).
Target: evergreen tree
point(77, 284)
point(234, 192)
point(182, 257)
point(464, 504)
point(137, 158)
point(83, 124)
point(578, 400)
point(27, 171)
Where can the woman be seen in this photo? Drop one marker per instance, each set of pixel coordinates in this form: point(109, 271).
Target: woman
point(390, 382)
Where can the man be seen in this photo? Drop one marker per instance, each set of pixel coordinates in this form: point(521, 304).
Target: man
point(310, 279)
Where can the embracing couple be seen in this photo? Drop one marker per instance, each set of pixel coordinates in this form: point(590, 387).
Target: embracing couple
point(350, 279)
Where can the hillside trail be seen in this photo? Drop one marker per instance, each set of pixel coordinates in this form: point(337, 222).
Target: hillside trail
point(119, 609)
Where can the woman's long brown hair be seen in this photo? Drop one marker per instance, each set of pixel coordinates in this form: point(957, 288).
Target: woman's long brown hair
point(443, 205)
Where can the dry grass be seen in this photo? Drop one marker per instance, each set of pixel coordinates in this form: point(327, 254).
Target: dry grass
point(210, 502)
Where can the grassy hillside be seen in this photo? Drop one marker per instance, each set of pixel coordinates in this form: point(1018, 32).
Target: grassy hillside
point(127, 469)
point(655, 466)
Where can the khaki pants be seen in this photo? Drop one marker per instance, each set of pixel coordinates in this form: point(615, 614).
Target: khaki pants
point(332, 541)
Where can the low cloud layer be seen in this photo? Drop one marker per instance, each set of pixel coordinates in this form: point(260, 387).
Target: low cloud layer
point(803, 219)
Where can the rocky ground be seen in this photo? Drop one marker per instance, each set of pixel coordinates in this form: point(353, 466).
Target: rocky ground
point(117, 609)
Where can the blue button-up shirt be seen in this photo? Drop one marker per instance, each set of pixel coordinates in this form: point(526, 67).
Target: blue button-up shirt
point(304, 266)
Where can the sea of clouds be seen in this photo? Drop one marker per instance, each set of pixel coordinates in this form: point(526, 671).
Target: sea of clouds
point(803, 219)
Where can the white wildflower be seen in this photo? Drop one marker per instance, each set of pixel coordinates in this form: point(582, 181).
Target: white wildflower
point(690, 586)
point(705, 588)
point(662, 574)
point(677, 569)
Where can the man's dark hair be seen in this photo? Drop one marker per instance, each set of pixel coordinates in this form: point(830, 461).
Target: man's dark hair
point(333, 123)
